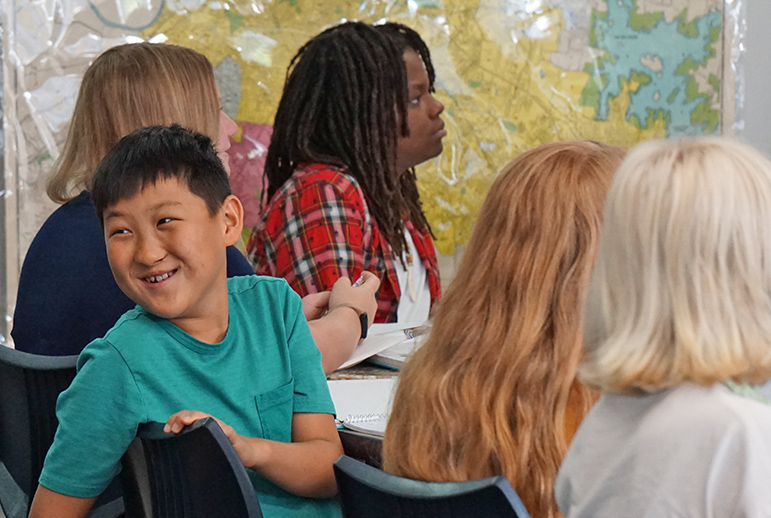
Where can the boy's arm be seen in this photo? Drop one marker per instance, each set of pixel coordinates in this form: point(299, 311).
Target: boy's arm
point(302, 467)
point(49, 503)
point(98, 416)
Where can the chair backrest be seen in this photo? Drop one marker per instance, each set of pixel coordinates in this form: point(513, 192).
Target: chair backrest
point(366, 491)
point(29, 386)
point(195, 473)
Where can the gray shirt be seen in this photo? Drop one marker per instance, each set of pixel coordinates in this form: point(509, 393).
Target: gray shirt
point(689, 451)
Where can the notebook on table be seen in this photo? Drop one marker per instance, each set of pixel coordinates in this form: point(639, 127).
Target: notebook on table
point(363, 405)
point(371, 424)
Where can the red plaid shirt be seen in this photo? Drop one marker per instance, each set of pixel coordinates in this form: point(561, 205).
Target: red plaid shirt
point(317, 228)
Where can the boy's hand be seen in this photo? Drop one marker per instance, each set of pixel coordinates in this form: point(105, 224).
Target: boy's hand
point(248, 453)
point(361, 296)
point(315, 305)
point(302, 467)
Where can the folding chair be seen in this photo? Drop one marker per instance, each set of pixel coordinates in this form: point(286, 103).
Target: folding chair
point(29, 387)
point(194, 474)
point(367, 492)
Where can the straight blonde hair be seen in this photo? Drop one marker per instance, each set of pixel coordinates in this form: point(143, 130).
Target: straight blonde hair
point(490, 391)
point(126, 88)
point(682, 287)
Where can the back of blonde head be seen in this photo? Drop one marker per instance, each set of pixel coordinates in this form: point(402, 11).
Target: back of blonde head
point(489, 391)
point(126, 88)
point(682, 287)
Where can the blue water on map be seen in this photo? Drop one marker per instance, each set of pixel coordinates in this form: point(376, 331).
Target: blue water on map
point(628, 48)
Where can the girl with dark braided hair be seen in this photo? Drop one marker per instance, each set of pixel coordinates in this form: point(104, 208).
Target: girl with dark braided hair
point(356, 116)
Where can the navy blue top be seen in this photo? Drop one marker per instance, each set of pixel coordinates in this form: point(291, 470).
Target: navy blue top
point(67, 294)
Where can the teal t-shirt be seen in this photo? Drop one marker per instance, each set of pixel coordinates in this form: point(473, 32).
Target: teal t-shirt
point(146, 369)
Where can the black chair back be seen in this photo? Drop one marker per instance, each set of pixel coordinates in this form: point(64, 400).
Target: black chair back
point(366, 491)
point(193, 474)
point(29, 387)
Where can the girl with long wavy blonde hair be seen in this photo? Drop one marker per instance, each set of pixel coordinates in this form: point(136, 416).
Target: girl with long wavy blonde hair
point(493, 390)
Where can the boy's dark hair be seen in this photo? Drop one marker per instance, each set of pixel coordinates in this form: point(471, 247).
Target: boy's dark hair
point(345, 104)
point(158, 152)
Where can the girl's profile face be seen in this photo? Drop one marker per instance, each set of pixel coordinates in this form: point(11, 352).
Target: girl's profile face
point(423, 110)
point(228, 128)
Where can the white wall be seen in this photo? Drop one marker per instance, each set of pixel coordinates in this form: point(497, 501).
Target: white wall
point(757, 70)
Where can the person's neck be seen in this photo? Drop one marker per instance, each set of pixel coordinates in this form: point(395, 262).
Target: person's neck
point(210, 331)
point(210, 322)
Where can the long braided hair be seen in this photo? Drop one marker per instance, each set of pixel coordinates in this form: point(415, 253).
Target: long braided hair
point(345, 104)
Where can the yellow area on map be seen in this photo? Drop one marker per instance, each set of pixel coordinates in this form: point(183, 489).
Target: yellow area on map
point(497, 103)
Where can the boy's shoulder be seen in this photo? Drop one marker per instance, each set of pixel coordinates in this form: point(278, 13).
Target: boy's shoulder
point(261, 293)
point(132, 335)
point(128, 326)
point(254, 284)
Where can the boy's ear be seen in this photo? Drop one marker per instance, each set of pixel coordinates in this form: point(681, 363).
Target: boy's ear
point(233, 218)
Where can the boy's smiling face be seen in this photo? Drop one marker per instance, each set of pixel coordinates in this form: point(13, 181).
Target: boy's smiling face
point(167, 253)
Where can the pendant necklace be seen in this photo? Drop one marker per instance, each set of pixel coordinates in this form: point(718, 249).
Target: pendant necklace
point(410, 280)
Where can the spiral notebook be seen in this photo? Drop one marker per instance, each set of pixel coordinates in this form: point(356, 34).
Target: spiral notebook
point(362, 405)
point(372, 424)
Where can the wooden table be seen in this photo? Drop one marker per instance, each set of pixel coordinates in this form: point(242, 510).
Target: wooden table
point(363, 371)
point(363, 447)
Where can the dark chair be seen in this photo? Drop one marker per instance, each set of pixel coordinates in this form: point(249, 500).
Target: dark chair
point(193, 474)
point(368, 492)
point(29, 387)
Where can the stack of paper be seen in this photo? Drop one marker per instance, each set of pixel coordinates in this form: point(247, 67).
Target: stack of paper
point(395, 356)
point(373, 344)
point(382, 337)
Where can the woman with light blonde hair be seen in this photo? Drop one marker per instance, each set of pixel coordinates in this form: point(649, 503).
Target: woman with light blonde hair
point(129, 87)
point(67, 295)
point(678, 319)
point(493, 390)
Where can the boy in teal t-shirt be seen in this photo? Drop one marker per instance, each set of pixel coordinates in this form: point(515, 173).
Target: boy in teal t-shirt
point(237, 349)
